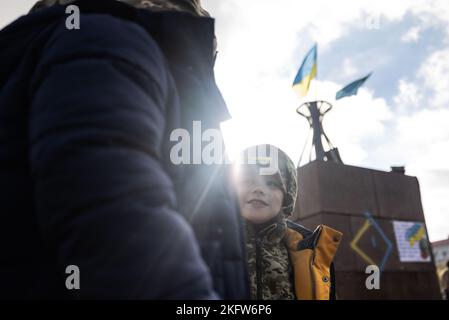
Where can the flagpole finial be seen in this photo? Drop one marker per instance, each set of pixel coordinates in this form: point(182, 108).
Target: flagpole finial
point(314, 111)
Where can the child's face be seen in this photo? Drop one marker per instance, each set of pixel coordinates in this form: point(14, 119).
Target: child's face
point(260, 196)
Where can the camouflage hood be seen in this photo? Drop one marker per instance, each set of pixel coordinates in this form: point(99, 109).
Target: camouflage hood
point(270, 157)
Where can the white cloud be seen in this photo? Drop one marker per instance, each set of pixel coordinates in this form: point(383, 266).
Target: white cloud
point(354, 120)
point(421, 142)
point(412, 35)
point(424, 128)
point(434, 74)
point(408, 98)
point(433, 14)
point(260, 41)
point(349, 69)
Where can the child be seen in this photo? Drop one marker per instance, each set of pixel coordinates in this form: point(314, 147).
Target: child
point(285, 260)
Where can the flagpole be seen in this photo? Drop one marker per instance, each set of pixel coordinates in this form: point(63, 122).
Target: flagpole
point(316, 76)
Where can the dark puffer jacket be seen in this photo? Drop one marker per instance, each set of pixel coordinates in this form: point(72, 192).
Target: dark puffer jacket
point(85, 174)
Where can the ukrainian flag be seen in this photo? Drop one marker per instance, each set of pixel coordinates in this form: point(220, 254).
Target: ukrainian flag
point(351, 89)
point(306, 73)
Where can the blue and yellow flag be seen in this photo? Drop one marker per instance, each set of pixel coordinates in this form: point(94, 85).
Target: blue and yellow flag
point(306, 73)
point(352, 88)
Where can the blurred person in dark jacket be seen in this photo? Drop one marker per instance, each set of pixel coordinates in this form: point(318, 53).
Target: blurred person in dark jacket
point(444, 280)
point(86, 177)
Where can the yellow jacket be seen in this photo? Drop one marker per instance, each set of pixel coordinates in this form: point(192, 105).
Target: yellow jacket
point(311, 255)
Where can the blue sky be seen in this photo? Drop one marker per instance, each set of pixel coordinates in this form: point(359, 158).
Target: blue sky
point(400, 116)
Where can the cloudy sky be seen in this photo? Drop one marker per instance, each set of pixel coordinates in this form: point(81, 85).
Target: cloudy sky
point(400, 116)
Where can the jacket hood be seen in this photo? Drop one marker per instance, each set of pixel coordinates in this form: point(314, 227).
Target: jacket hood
point(185, 40)
point(191, 6)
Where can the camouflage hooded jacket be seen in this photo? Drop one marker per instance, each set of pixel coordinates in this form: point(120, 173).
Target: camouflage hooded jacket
point(286, 261)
